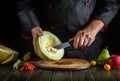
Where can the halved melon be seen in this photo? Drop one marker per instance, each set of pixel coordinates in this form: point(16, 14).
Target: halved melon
point(45, 48)
point(7, 54)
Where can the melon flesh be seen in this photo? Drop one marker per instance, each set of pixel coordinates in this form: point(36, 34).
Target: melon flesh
point(4, 55)
point(45, 48)
point(7, 54)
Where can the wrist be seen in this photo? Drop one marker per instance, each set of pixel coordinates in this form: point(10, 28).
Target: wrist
point(95, 26)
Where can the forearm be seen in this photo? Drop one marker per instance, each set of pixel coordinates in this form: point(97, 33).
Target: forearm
point(95, 26)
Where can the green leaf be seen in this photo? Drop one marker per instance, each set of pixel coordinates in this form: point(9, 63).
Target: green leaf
point(26, 56)
point(16, 64)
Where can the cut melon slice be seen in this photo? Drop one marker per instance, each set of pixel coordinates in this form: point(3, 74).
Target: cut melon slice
point(45, 48)
point(4, 55)
point(8, 59)
point(7, 54)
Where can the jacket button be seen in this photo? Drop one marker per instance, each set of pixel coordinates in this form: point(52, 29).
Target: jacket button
point(50, 5)
point(52, 28)
point(87, 4)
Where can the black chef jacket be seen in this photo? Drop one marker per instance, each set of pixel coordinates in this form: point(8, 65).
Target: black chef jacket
point(66, 17)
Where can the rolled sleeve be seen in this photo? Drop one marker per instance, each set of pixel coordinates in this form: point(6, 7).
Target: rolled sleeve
point(26, 17)
point(106, 10)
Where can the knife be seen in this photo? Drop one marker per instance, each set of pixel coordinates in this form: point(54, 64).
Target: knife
point(63, 45)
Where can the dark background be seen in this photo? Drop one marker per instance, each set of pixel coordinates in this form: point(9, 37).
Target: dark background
point(112, 36)
point(10, 29)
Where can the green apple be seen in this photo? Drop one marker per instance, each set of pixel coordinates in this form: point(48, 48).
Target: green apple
point(45, 48)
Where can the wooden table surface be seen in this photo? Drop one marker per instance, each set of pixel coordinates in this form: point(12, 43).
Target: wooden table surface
point(7, 73)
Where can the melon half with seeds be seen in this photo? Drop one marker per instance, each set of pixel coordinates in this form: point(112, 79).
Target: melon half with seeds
point(45, 48)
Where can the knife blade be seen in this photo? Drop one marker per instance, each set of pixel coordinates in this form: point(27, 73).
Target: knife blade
point(63, 45)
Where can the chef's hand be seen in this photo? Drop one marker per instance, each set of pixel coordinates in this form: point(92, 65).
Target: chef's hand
point(83, 38)
point(86, 36)
point(36, 31)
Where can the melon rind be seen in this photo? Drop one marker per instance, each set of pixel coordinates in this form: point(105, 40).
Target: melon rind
point(7, 54)
point(4, 55)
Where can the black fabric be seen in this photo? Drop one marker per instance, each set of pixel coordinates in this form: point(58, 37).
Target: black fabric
point(65, 17)
point(73, 14)
point(61, 32)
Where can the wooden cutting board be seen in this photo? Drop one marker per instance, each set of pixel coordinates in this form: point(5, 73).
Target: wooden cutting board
point(63, 64)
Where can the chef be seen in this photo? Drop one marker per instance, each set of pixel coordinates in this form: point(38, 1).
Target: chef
point(78, 21)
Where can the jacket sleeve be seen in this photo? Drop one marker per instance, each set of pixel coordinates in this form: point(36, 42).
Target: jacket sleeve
point(26, 17)
point(106, 10)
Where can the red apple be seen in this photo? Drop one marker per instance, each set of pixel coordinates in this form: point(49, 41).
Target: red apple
point(114, 61)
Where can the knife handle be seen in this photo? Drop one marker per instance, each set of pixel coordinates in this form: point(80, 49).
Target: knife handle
point(71, 43)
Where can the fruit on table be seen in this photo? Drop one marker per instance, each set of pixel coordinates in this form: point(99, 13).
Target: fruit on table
point(93, 63)
point(4, 55)
point(45, 48)
point(7, 54)
point(114, 61)
point(101, 63)
point(8, 59)
point(27, 67)
point(107, 67)
point(104, 55)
